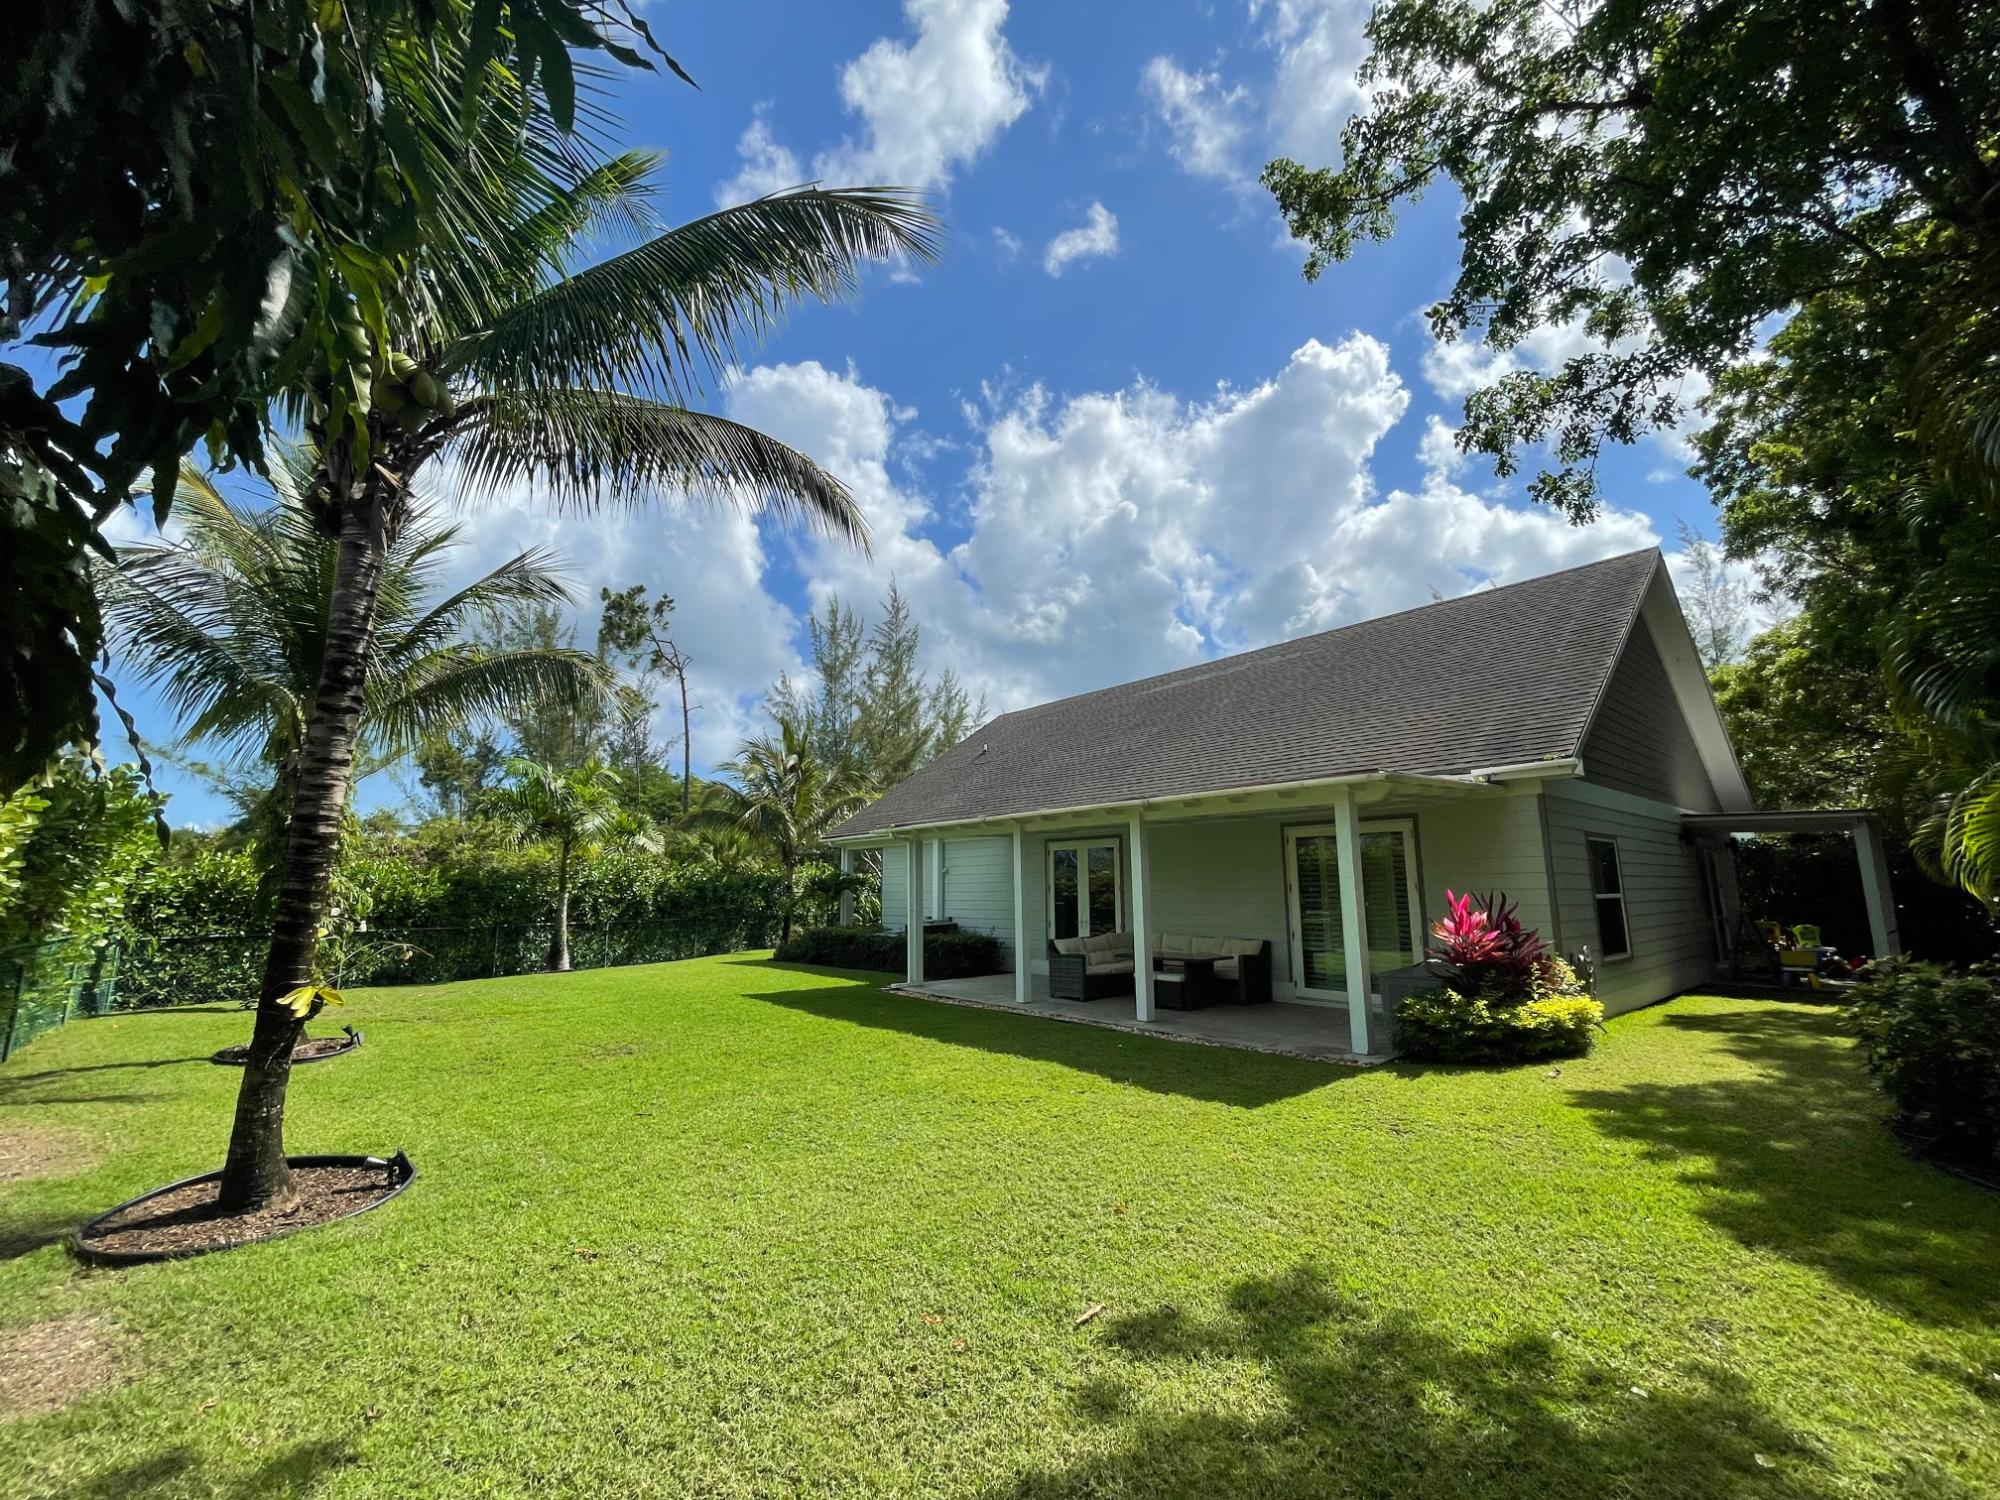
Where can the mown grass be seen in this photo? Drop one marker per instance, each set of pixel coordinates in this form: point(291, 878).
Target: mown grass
point(724, 1228)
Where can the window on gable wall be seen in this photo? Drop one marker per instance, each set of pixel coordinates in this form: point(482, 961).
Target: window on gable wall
point(1607, 894)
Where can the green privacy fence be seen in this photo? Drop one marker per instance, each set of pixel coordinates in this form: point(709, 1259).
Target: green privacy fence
point(46, 987)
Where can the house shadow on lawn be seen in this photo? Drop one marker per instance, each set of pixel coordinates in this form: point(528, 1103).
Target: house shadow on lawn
point(181, 1471)
point(1213, 1075)
point(1799, 1162)
point(1375, 1404)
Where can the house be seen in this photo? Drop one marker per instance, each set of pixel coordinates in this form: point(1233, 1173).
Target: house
point(1297, 813)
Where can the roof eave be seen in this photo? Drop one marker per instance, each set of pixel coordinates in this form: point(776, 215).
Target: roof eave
point(1485, 779)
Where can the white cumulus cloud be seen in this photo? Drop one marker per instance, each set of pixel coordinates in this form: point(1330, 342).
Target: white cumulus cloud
point(1093, 239)
point(767, 166)
point(1206, 119)
point(926, 105)
point(1110, 534)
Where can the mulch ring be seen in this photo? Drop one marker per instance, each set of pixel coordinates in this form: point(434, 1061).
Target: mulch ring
point(184, 1218)
point(312, 1049)
point(45, 1366)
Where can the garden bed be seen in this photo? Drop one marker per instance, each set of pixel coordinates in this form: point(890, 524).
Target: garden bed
point(184, 1219)
point(312, 1050)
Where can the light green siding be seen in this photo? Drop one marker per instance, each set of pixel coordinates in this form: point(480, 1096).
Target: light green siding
point(1639, 742)
point(979, 886)
point(1666, 903)
point(1484, 845)
point(895, 884)
point(1223, 879)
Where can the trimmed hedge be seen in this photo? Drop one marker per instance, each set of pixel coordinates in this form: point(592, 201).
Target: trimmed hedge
point(1553, 1017)
point(947, 955)
point(1931, 1036)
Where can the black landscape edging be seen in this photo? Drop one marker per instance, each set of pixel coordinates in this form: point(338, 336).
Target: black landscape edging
point(354, 1039)
point(406, 1172)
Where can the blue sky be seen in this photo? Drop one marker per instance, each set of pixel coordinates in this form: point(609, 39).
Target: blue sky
point(1114, 431)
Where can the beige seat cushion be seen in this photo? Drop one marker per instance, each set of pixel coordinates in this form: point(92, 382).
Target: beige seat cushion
point(1100, 943)
point(1207, 947)
point(1107, 966)
point(1069, 945)
point(1242, 947)
point(1176, 945)
point(1228, 968)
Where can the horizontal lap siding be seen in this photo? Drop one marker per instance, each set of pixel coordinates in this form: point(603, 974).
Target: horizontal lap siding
point(1666, 904)
point(1482, 845)
point(1220, 880)
point(1639, 742)
point(979, 886)
point(895, 883)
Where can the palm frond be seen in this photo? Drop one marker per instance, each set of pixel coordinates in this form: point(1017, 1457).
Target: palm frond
point(588, 446)
point(462, 682)
point(697, 295)
point(531, 579)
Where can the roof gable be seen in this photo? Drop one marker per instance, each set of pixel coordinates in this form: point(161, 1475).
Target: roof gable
point(1505, 676)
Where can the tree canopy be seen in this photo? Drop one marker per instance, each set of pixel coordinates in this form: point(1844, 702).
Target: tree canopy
point(1669, 176)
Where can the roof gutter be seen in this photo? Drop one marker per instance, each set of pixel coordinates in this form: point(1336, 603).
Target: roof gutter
point(1483, 777)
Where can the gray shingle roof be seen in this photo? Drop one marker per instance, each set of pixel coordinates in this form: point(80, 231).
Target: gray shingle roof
point(1501, 677)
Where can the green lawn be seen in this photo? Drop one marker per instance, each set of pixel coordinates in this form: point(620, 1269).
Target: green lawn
point(724, 1228)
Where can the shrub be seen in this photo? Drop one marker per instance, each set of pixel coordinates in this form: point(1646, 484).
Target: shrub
point(947, 955)
point(1549, 1015)
point(1485, 943)
point(1931, 1036)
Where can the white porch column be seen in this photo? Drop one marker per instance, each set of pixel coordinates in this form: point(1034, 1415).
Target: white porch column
point(846, 917)
point(1883, 933)
point(913, 930)
point(1024, 971)
point(1142, 921)
point(1353, 916)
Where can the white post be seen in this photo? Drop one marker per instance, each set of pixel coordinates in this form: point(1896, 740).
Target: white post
point(1883, 932)
point(1353, 916)
point(1024, 971)
point(846, 917)
point(1142, 930)
point(936, 869)
point(913, 931)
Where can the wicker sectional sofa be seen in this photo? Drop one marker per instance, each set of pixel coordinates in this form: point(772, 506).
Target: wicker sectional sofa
point(1096, 967)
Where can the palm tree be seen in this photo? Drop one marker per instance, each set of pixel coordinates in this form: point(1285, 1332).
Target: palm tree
point(526, 373)
point(229, 623)
point(577, 811)
point(791, 800)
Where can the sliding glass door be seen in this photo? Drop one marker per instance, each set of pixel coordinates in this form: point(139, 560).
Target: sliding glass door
point(1086, 888)
point(1389, 895)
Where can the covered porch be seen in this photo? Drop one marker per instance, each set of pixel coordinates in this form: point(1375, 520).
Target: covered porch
point(1278, 918)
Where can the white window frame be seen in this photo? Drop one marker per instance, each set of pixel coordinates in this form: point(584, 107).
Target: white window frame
point(1604, 955)
point(1083, 846)
point(1413, 884)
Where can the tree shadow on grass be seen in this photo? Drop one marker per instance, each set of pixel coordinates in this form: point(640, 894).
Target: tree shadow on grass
point(181, 1471)
point(25, 1235)
point(1798, 1161)
point(55, 1085)
point(1375, 1404)
point(1163, 1066)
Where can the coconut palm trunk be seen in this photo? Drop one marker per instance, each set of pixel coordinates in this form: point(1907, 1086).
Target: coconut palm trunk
point(255, 1174)
point(559, 948)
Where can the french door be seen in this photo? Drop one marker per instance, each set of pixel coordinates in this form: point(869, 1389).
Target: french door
point(1086, 888)
point(1389, 898)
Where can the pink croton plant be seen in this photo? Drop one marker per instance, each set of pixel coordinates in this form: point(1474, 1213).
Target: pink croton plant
point(1482, 937)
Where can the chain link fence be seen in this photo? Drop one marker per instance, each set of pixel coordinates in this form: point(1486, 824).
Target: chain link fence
point(44, 987)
